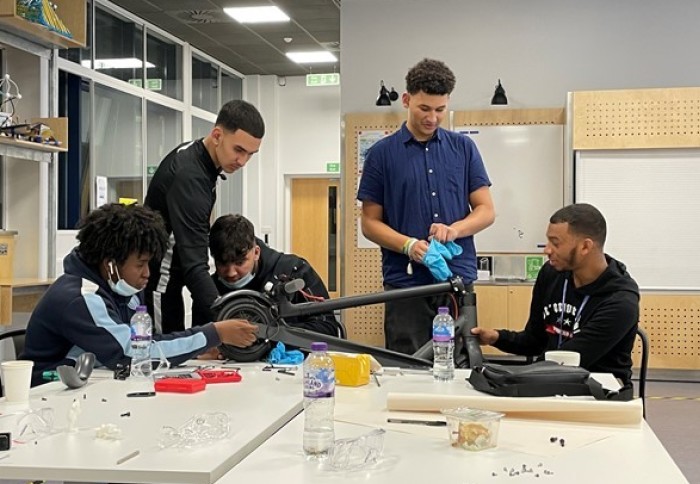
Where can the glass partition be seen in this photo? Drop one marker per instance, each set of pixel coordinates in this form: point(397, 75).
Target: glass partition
point(163, 134)
point(119, 47)
point(118, 146)
point(166, 57)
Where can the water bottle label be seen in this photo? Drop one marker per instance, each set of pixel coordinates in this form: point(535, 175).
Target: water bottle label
point(443, 333)
point(319, 383)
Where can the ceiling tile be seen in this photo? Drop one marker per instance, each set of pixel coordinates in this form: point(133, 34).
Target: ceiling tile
point(253, 49)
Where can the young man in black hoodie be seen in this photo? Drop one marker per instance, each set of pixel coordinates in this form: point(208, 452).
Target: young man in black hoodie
point(583, 299)
point(245, 262)
point(90, 306)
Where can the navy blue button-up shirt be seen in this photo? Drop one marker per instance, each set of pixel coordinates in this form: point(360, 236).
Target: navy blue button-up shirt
point(418, 184)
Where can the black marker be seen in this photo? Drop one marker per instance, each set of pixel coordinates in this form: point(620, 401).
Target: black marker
point(141, 394)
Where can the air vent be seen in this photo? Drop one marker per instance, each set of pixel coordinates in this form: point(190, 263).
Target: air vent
point(203, 16)
point(331, 46)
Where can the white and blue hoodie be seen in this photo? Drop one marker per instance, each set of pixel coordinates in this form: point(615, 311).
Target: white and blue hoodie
point(80, 313)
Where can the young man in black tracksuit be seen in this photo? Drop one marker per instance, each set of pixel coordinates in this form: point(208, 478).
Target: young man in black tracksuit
point(90, 306)
point(183, 190)
point(246, 262)
point(583, 299)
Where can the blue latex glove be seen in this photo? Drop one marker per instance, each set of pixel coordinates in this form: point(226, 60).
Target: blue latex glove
point(435, 261)
point(279, 355)
point(447, 250)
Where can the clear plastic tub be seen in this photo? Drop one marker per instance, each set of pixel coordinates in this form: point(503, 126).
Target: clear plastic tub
point(471, 428)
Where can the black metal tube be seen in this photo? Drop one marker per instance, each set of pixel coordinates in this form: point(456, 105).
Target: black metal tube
point(286, 309)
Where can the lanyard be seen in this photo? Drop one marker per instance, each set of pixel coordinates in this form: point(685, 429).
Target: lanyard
point(577, 318)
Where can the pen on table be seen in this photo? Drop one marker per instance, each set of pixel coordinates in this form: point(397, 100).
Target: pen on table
point(376, 379)
point(141, 394)
point(430, 423)
point(128, 456)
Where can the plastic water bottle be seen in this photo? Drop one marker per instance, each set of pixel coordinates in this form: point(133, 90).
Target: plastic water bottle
point(443, 345)
point(141, 336)
point(319, 400)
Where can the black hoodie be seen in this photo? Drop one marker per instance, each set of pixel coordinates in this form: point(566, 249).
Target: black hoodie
point(271, 267)
point(607, 324)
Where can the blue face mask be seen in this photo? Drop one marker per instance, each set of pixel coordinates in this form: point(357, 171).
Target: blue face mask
point(121, 287)
point(239, 284)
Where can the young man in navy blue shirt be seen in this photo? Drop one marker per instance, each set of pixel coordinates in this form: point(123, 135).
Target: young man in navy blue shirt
point(419, 183)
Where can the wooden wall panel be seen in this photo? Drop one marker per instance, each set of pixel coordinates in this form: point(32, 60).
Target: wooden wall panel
point(639, 118)
point(362, 268)
point(672, 322)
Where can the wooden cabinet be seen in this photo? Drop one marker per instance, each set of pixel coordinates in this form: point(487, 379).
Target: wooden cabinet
point(502, 307)
point(71, 12)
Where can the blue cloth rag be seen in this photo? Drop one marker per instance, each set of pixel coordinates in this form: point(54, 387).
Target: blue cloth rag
point(436, 258)
point(279, 355)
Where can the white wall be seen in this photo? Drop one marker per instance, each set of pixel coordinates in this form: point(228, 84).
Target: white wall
point(302, 135)
point(22, 182)
point(540, 49)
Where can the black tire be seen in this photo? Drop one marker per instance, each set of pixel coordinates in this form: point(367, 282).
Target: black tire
point(255, 311)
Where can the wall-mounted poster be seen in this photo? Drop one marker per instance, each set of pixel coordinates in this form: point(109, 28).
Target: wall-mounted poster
point(365, 140)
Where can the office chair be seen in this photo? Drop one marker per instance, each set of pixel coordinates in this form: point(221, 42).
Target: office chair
point(17, 336)
point(643, 367)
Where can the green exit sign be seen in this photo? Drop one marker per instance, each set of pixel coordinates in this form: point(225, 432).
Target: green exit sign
point(151, 84)
point(314, 80)
point(332, 167)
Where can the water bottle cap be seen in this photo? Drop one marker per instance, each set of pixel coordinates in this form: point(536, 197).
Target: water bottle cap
point(319, 346)
point(141, 309)
point(443, 310)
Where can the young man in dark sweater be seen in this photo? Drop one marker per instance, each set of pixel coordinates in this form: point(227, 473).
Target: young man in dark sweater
point(583, 299)
point(245, 262)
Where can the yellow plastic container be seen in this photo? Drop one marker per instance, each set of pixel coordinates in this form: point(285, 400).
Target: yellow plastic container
point(351, 370)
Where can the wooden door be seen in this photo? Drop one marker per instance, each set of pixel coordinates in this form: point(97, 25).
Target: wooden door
point(315, 225)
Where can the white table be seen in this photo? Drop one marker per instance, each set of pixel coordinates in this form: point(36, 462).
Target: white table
point(594, 453)
point(258, 406)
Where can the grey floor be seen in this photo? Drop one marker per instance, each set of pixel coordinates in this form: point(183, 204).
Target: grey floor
point(673, 412)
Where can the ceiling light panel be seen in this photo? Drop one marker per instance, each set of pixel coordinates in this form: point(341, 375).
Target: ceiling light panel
point(257, 15)
point(312, 57)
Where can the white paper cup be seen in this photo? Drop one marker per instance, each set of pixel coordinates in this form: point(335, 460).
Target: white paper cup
point(16, 380)
point(566, 358)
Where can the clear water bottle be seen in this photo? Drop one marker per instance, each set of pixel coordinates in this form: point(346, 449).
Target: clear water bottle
point(319, 400)
point(141, 336)
point(443, 345)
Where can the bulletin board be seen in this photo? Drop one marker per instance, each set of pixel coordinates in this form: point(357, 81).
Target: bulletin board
point(540, 127)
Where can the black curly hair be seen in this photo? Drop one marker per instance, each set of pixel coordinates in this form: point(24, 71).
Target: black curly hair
point(231, 238)
point(115, 231)
point(430, 76)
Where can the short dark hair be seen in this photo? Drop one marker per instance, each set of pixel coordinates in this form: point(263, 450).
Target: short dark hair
point(583, 219)
point(115, 231)
point(231, 238)
point(238, 114)
point(430, 76)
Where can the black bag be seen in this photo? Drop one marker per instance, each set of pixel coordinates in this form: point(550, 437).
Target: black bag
point(541, 379)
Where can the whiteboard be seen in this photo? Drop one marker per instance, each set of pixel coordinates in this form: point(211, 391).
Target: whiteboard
point(651, 202)
point(526, 166)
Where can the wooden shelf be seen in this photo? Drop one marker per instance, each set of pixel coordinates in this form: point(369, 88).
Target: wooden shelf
point(71, 12)
point(37, 151)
